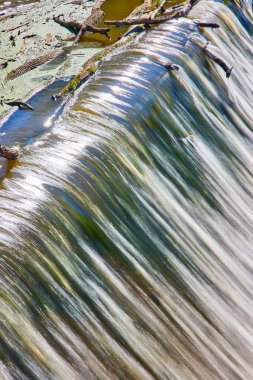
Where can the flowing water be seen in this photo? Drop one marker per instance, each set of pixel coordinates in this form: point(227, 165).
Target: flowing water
point(125, 253)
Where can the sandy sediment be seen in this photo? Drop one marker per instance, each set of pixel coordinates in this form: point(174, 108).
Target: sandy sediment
point(30, 32)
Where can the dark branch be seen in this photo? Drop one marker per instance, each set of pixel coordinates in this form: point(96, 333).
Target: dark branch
point(220, 62)
point(20, 105)
point(92, 29)
point(207, 25)
point(181, 12)
point(80, 29)
point(146, 21)
point(70, 24)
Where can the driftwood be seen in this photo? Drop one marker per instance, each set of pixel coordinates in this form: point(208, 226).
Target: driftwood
point(161, 6)
point(145, 7)
point(145, 21)
point(219, 61)
point(3, 18)
point(16, 26)
point(33, 63)
point(70, 24)
point(170, 66)
point(8, 153)
point(158, 9)
point(20, 105)
point(212, 25)
point(92, 22)
point(79, 28)
point(182, 12)
point(96, 14)
point(173, 9)
point(92, 29)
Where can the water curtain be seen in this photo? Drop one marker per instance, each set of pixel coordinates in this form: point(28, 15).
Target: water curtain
point(127, 227)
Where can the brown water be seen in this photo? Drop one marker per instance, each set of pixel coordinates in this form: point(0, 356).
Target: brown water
point(114, 10)
point(118, 10)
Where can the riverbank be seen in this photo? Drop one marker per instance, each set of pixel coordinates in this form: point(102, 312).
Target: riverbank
point(29, 31)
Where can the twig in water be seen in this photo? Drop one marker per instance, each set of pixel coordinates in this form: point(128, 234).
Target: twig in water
point(219, 61)
point(181, 12)
point(92, 29)
point(20, 105)
point(170, 66)
point(207, 25)
point(80, 29)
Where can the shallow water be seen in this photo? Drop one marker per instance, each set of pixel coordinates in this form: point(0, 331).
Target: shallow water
point(126, 254)
point(113, 10)
point(116, 10)
point(24, 128)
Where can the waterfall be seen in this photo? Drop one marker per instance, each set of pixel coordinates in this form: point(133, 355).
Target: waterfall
point(126, 228)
